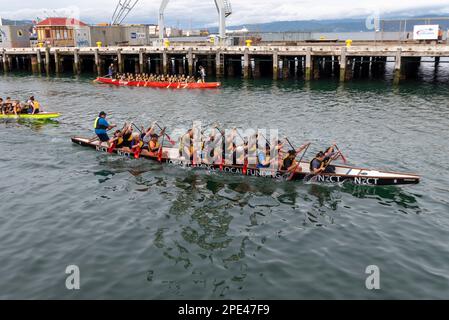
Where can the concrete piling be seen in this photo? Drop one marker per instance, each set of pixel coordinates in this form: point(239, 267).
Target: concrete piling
point(308, 71)
point(34, 64)
point(397, 66)
point(285, 68)
point(47, 61)
point(76, 62)
point(190, 61)
point(57, 62)
point(5, 62)
point(120, 62)
point(275, 65)
point(164, 62)
point(343, 65)
point(39, 61)
point(98, 64)
point(141, 61)
point(219, 62)
point(246, 64)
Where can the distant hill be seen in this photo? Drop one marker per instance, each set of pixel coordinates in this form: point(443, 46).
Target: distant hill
point(7, 22)
point(336, 25)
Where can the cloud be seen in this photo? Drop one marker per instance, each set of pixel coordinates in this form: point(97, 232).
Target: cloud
point(203, 13)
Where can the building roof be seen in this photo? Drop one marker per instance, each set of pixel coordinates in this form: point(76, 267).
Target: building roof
point(61, 22)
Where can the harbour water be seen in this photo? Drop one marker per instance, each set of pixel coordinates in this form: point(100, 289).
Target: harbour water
point(140, 230)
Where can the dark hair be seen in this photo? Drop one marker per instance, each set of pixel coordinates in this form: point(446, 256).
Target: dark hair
point(154, 135)
point(320, 154)
point(291, 152)
point(102, 113)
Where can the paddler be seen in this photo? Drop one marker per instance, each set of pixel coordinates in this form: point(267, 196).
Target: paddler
point(117, 139)
point(127, 135)
point(153, 145)
point(320, 164)
point(7, 106)
point(186, 145)
point(289, 162)
point(135, 144)
point(34, 105)
point(263, 157)
point(102, 127)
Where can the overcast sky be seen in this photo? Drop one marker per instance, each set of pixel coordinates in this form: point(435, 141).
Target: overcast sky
point(203, 12)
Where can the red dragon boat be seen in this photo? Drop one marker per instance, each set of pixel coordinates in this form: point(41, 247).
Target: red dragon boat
point(157, 84)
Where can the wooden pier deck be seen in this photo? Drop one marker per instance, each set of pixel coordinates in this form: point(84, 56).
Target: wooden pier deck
point(308, 61)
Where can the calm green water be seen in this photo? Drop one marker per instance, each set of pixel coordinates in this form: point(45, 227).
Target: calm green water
point(138, 229)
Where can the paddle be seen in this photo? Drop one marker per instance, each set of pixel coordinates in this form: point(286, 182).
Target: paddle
point(299, 162)
point(341, 154)
point(166, 135)
point(135, 126)
point(159, 155)
point(137, 153)
point(266, 140)
point(291, 145)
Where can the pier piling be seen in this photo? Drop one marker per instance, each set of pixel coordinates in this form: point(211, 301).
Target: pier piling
point(246, 64)
point(343, 65)
point(308, 72)
point(57, 62)
point(219, 62)
point(5, 61)
point(164, 62)
point(47, 61)
point(311, 61)
point(397, 66)
point(120, 63)
point(76, 62)
point(141, 61)
point(34, 64)
point(39, 61)
point(190, 61)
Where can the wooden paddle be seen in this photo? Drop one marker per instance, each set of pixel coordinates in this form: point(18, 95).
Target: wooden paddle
point(299, 162)
point(168, 137)
point(341, 154)
point(159, 155)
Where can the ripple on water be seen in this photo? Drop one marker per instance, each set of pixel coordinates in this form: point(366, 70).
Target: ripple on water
point(142, 230)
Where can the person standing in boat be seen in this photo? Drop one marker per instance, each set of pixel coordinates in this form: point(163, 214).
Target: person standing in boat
point(202, 73)
point(111, 71)
point(102, 127)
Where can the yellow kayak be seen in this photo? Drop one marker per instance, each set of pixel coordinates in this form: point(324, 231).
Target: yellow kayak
point(43, 115)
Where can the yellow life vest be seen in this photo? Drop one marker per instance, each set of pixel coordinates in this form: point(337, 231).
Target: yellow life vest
point(36, 105)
